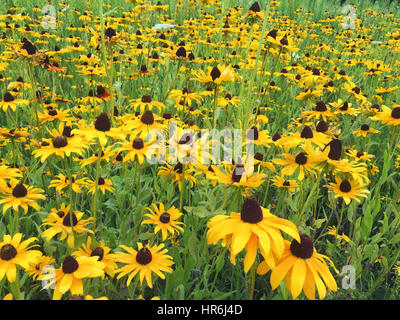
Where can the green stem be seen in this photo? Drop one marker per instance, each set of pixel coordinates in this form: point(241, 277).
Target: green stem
point(310, 197)
point(94, 203)
point(215, 106)
point(33, 85)
point(340, 221)
point(252, 281)
point(68, 169)
point(182, 188)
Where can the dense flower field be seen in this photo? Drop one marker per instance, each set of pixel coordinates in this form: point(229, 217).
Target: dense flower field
point(209, 149)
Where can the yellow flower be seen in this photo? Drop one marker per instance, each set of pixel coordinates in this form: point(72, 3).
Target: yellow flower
point(19, 195)
point(15, 253)
point(100, 250)
point(145, 261)
point(70, 275)
point(216, 75)
point(304, 269)
point(348, 189)
point(251, 229)
point(164, 220)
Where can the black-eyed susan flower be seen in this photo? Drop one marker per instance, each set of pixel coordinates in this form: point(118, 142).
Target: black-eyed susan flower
point(146, 103)
point(136, 148)
point(339, 234)
point(215, 75)
point(239, 175)
point(61, 182)
point(71, 273)
point(101, 130)
point(283, 183)
point(40, 267)
point(7, 173)
point(388, 116)
point(147, 123)
point(165, 221)
point(364, 130)
point(9, 102)
point(302, 161)
point(253, 228)
point(18, 195)
point(59, 222)
point(348, 189)
point(303, 268)
point(15, 253)
point(144, 261)
point(176, 173)
point(60, 146)
point(101, 251)
point(103, 184)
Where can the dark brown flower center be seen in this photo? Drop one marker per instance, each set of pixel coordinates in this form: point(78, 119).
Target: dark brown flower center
point(238, 172)
point(110, 32)
point(8, 97)
point(102, 122)
point(335, 151)
point(60, 213)
point(146, 98)
point(52, 112)
point(273, 33)
point(345, 106)
point(59, 142)
point(67, 220)
point(365, 127)
point(396, 113)
point(259, 156)
point(67, 132)
point(286, 183)
point(345, 186)
point(147, 117)
point(301, 158)
point(143, 68)
point(165, 217)
point(70, 265)
point(100, 90)
point(144, 256)
point(185, 139)
point(181, 52)
point(320, 106)
point(276, 137)
point(304, 249)
point(167, 116)
point(29, 47)
point(99, 252)
point(356, 90)
point(255, 7)
point(252, 134)
point(8, 252)
point(178, 168)
point(322, 126)
point(307, 133)
point(251, 211)
point(138, 144)
point(284, 41)
point(19, 191)
point(215, 73)
point(101, 181)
